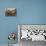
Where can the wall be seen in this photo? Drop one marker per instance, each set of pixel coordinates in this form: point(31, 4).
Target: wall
point(28, 12)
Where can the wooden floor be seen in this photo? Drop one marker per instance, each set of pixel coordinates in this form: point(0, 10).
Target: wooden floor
point(30, 43)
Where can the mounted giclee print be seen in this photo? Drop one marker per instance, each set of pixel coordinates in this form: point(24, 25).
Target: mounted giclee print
point(32, 32)
point(10, 11)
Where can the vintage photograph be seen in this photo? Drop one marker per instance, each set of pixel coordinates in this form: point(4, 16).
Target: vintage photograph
point(10, 11)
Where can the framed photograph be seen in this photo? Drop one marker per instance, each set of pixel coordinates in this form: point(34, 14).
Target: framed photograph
point(10, 11)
